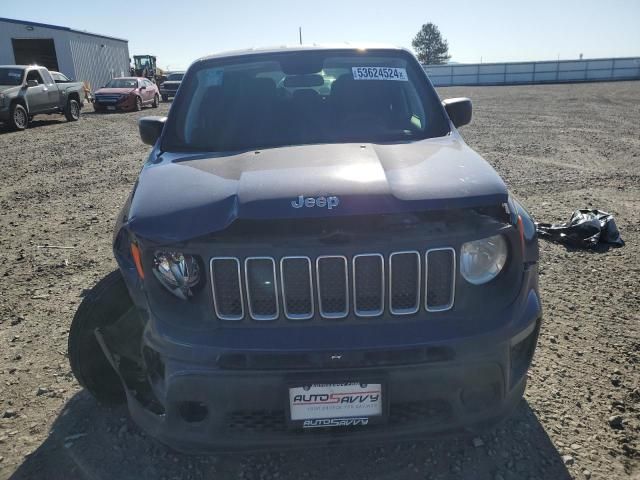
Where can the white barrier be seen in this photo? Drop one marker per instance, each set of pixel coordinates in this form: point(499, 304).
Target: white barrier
point(560, 71)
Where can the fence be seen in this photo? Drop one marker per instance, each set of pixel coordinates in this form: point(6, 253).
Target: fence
point(561, 71)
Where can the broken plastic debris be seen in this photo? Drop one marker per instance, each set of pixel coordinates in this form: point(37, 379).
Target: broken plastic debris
point(585, 229)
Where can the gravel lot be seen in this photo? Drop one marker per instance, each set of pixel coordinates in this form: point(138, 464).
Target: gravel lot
point(559, 147)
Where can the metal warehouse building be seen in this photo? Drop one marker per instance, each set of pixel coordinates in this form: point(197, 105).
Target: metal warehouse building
point(82, 56)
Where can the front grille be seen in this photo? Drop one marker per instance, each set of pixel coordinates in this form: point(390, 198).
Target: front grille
point(441, 267)
point(333, 289)
point(227, 290)
point(110, 99)
point(297, 287)
point(404, 288)
point(333, 286)
point(262, 292)
point(368, 285)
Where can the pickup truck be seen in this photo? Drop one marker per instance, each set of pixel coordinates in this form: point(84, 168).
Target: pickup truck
point(302, 265)
point(26, 91)
point(170, 86)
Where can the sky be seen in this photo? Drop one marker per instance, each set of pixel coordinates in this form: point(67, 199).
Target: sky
point(180, 31)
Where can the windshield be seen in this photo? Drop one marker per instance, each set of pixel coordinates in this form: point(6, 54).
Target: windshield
point(11, 76)
point(175, 77)
point(59, 77)
point(143, 61)
point(122, 83)
point(294, 98)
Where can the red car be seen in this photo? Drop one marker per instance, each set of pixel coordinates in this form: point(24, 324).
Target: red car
point(127, 94)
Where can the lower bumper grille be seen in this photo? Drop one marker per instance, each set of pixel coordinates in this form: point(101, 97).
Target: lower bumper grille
point(426, 413)
point(366, 285)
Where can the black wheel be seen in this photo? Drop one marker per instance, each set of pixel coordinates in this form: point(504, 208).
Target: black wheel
point(156, 101)
point(138, 104)
point(19, 118)
point(72, 112)
point(165, 98)
point(102, 306)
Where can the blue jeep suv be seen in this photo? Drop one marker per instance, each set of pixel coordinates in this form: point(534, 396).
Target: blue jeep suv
point(312, 254)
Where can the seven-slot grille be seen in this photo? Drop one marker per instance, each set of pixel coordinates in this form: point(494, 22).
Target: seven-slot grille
point(264, 288)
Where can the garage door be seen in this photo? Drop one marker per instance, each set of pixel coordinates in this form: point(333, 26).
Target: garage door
point(39, 51)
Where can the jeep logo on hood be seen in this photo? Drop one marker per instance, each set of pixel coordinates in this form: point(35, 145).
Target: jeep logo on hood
point(309, 202)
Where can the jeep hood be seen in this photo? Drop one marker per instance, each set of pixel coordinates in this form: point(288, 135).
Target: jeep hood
point(184, 196)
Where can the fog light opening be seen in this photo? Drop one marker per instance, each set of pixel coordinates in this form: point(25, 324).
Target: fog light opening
point(193, 412)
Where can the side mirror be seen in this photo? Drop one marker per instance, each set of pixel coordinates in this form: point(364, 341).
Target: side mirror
point(150, 128)
point(459, 110)
point(32, 83)
point(143, 87)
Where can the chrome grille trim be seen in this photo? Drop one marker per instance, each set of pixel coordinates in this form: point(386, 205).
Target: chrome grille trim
point(356, 310)
point(237, 301)
point(439, 308)
point(275, 289)
point(294, 316)
point(213, 289)
point(405, 311)
point(333, 315)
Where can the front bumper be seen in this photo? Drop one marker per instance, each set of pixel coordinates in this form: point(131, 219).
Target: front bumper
point(200, 399)
point(168, 93)
point(248, 410)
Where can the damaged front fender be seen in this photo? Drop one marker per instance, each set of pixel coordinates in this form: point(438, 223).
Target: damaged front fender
point(121, 343)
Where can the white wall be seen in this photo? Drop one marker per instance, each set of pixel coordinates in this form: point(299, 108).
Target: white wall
point(98, 60)
point(535, 72)
point(60, 40)
point(82, 57)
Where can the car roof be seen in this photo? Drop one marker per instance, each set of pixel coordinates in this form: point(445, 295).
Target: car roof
point(129, 78)
point(302, 48)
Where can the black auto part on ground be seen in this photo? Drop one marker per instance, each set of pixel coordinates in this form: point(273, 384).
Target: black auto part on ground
point(585, 229)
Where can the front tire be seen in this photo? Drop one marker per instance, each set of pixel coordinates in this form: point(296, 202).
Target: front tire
point(72, 112)
point(165, 98)
point(102, 306)
point(19, 118)
point(156, 101)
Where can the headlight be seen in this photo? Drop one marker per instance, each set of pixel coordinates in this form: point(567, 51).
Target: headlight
point(180, 274)
point(482, 260)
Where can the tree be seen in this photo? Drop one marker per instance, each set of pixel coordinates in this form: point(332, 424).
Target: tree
point(429, 45)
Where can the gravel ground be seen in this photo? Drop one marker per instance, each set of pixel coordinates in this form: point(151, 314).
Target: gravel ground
point(558, 147)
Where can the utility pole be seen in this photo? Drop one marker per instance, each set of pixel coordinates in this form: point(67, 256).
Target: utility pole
point(300, 34)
